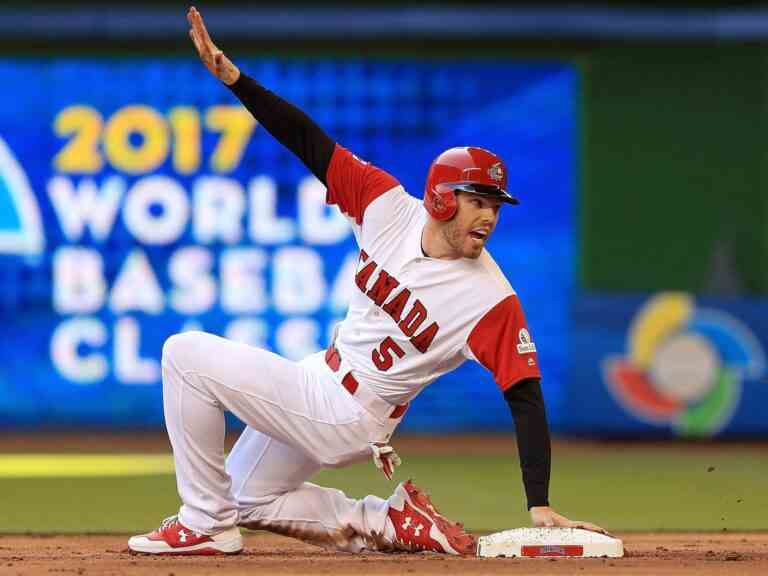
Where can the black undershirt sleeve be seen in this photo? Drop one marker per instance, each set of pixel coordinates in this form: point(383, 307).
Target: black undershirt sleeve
point(527, 405)
point(289, 125)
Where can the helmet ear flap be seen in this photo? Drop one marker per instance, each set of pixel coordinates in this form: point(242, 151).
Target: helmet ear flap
point(440, 204)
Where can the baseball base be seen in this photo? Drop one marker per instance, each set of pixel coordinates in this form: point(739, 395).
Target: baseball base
point(549, 542)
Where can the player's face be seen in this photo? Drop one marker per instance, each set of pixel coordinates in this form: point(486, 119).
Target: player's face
point(475, 220)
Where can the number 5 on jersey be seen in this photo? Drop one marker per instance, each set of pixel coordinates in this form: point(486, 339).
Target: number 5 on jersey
point(382, 357)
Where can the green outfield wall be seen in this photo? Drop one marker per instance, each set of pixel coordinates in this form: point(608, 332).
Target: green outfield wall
point(674, 169)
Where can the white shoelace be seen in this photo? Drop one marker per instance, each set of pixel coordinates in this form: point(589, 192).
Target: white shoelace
point(169, 521)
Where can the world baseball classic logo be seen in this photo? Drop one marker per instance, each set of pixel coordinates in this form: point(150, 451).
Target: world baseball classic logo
point(684, 365)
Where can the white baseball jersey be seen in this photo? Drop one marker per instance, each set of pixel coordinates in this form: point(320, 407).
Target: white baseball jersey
point(412, 317)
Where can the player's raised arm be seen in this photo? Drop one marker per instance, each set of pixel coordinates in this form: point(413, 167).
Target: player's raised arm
point(289, 125)
point(352, 183)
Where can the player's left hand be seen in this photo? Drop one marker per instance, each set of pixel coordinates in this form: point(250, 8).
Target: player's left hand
point(385, 458)
point(546, 517)
point(213, 58)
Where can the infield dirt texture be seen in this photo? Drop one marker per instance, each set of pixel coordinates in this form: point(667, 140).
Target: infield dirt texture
point(693, 508)
point(654, 554)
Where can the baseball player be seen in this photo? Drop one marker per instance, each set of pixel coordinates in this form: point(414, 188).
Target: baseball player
point(428, 297)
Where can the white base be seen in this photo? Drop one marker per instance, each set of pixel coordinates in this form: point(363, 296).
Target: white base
point(549, 542)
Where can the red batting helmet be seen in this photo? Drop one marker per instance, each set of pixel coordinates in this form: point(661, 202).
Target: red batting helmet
point(466, 169)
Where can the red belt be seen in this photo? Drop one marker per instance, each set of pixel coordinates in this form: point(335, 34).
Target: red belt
point(333, 359)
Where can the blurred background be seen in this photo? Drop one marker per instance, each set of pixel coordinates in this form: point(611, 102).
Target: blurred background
point(138, 199)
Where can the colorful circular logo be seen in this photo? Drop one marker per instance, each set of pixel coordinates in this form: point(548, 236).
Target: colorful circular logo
point(684, 365)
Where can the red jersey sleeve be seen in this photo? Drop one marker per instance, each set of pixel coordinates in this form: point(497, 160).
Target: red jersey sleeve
point(353, 183)
point(501, 342)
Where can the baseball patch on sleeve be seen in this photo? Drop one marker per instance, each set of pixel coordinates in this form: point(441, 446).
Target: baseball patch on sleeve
point(525, 346)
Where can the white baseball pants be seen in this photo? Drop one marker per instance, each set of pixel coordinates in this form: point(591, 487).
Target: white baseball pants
point(300, 419)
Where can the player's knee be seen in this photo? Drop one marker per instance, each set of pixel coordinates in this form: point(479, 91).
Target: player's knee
point(180, 348)
point(335, 460)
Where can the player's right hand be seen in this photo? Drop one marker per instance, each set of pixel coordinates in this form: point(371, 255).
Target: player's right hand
point(213, 58)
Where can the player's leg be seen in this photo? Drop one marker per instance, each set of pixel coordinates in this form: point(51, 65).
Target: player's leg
point(268, 482)
point(195, 423)
point(203, 375)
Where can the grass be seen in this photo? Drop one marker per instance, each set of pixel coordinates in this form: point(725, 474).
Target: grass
point(632, 487)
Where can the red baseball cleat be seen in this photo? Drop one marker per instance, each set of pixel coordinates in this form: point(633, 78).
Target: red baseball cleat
point(420, 527)
point(172, 537)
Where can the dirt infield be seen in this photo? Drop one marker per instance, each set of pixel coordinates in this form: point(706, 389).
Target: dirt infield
point(701, 554)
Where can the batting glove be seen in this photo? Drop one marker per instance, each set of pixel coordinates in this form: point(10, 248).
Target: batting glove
point(385, 458)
